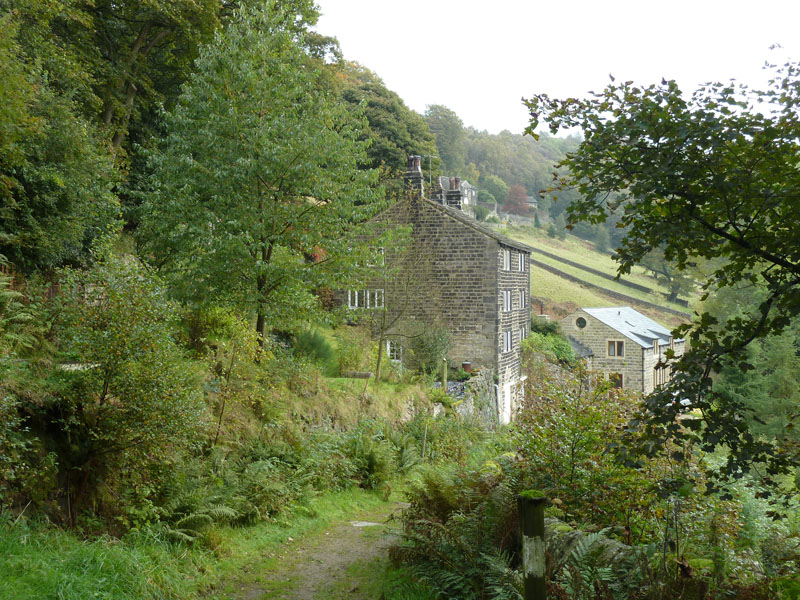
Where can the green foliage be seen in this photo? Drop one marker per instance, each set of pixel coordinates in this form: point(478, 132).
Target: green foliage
point(447, 438)
point(129, 402)
point(716, 170)
point(55, 175)
point(481, 212)
point(563, 431)
point(448, 129)
point(394, 131)
point(459, 530)
point(487, 196)
point(350, 354)
point(582, 577)
point(427, 348)
point(314, 345)
point(278, 154)
point(495, 187)
point(554, 347)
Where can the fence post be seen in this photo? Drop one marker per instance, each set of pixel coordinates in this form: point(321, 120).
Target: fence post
point(531, 522)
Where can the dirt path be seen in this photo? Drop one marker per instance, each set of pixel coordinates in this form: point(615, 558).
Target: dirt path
point(336, 563)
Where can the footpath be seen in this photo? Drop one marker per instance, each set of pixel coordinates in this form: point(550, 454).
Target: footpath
point(345, 561)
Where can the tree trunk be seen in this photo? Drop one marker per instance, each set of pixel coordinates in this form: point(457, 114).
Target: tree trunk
point(381, 342)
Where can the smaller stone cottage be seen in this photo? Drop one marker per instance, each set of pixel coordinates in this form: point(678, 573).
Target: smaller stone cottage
point(624, 345)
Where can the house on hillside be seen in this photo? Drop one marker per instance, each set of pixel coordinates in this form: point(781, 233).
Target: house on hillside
point(465, 277)
point(624, 345)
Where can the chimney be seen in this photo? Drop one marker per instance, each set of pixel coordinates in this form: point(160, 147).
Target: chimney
point(414, 185)
point(437, 193)
point(454, 195)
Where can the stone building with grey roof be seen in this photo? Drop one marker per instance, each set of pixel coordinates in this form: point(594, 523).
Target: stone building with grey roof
point(470, 279)
point(624, 345)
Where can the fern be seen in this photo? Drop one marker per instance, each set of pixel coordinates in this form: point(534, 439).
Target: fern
point(583, 578)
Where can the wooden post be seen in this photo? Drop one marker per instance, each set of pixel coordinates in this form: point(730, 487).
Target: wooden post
point(444, 375)
point(531, 522)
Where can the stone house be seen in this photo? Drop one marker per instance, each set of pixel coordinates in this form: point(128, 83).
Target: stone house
point(465, 277)
point(623, 345)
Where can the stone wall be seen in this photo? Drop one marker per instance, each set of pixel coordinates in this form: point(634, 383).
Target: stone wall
point(518, 318)
point(457, 280)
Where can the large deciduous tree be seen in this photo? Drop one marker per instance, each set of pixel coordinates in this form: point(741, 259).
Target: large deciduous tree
point(257, 185)
point(707, 175)
point(55, 174)
point(448, 129)
point(395, 131)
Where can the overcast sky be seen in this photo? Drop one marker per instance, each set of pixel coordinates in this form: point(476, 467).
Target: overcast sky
point(480, 58)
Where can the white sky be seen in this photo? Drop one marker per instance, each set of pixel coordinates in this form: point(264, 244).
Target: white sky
point(480, 58)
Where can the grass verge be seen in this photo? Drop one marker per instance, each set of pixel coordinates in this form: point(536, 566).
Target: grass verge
point(40, 562)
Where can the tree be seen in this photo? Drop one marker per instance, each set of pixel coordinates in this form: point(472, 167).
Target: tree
point(395, 131)
point(55, 174)
point(257, 186)
point(448, 129)
point(130, 401)
point(495, 186)
point(712, 175)
point(516, 201)
point(666, 273)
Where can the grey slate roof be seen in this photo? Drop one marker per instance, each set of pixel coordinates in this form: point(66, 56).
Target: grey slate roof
point(470, 222)
point(632, 324)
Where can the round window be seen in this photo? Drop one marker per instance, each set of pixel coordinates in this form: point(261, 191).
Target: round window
point(580, 322)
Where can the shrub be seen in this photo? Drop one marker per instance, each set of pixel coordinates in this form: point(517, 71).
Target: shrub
point(313, 345)
point(428, 347)
point(554, 347)
point(130, 403)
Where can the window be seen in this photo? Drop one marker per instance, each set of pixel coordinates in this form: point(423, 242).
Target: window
point(506, 260)
point(659, 377)
point(522, 333)
point(655, 347)
point(580, 322)
point(374, 298)
point(507, 341)
point(616, 348)
point(523, 300)
point(365, 298)
point(521, 262)
point(394, 350)
point(356, 299)
point(506, 300)
point(616, 380)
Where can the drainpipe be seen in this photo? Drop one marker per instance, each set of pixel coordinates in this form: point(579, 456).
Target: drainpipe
point(497, 401)
point(643, 352)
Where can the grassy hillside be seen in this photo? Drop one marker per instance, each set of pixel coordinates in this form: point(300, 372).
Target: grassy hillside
point(561, 296)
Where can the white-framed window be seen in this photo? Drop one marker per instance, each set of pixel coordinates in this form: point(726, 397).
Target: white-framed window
point(365, 298)
point(394, 350)
point(356, 299)
point(374, 298)
point(616, 348)
point(523, 298)
point(521, 262)
point(655, 347)
point(506, 300)
point(506, 260)
point(507, 342)
point(523, 334)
